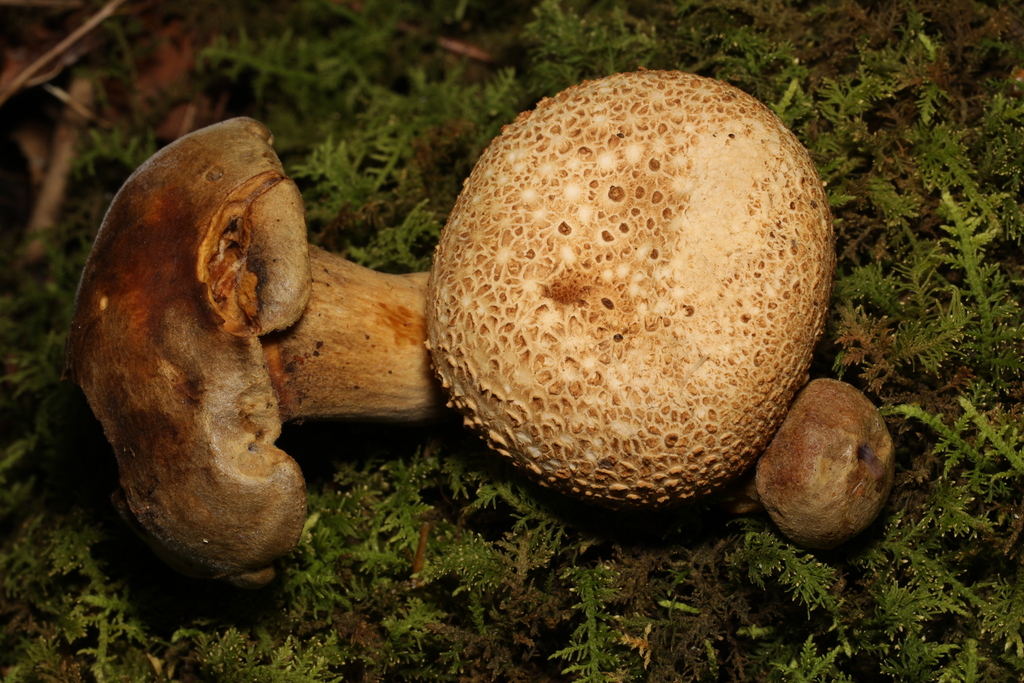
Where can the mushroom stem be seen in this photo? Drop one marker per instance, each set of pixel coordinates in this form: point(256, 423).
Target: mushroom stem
point(357, 352)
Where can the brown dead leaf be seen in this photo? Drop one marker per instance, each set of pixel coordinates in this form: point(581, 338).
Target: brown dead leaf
point(167, 67)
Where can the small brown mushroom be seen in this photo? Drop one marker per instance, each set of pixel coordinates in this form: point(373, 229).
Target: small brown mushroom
point(829, 469)
point(625, 299)
point(202, 320)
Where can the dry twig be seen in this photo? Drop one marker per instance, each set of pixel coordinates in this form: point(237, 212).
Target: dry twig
point(106, 11)
point(79, 106)
point(41, 3)
point(46, 209)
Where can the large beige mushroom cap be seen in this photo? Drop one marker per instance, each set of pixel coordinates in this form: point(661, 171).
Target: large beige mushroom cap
point(627, 294)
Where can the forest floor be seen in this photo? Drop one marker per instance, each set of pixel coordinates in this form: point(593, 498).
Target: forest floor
point(422, 557)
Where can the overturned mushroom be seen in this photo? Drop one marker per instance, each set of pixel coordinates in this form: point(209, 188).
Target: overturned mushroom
point(626, 296)
point(202, 320)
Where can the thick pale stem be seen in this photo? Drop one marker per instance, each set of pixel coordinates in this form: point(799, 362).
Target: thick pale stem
point(357, 352)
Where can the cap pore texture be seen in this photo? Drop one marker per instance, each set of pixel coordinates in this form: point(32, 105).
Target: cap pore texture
point(628, 291)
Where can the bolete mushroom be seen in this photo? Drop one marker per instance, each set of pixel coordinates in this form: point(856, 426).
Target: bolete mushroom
point(828, 471)
point(202, 320)
point(625, 299)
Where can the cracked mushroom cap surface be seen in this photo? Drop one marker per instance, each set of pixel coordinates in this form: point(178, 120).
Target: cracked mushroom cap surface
point(202, 250)
point(628, 291)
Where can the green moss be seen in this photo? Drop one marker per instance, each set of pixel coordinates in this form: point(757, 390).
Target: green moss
point(910, 112)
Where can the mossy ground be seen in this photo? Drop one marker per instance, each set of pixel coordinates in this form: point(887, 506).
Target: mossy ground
point(914, 117)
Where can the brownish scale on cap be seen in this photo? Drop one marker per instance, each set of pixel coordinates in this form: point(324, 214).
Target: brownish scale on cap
point(626, 296)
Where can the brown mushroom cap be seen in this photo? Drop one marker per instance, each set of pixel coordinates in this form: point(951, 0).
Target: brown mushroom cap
point(627, 293)
point(203, 319)
point(828, 471)
point(202, 249)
